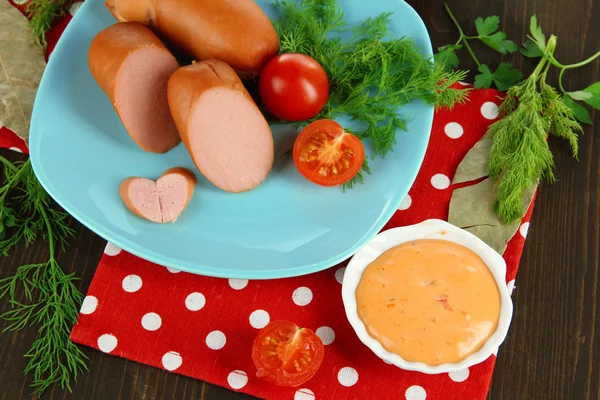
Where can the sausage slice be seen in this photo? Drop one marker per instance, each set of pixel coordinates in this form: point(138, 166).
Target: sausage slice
point(225, 133)
point(162, 200)
point(132, 66)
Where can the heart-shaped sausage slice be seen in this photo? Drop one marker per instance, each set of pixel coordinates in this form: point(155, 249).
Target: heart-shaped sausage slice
point(162, 200)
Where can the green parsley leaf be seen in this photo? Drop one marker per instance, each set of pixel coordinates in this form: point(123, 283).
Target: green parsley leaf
point(579, 95)
point(487, 26)
point(594, 95)
point(484, 79)
point(496, 40)
point(504, 77)
point(447, 57)
point(579, 111)
point(536, 32)
point(531, 49)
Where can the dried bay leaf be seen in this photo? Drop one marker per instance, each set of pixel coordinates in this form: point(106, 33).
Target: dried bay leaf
point(21, 66)
point(474, 165)
point(471, 208)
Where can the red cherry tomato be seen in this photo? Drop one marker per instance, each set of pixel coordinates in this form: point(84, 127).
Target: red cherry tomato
point(293, 87)
point(326, 154)
point(286, 355)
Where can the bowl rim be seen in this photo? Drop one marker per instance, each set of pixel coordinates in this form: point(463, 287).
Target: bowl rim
point(428, 229)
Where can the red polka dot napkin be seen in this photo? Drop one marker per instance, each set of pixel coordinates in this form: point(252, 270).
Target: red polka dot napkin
point(204, 327)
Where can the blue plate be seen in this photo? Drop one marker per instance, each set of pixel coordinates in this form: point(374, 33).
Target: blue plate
point(286, 227)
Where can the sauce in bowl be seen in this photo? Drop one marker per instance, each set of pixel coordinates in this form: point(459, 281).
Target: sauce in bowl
point(431, 301)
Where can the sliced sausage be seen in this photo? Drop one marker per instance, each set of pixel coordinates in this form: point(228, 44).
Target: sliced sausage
point(132, 66)
point(162, 200)
point(226, 135)
point(235, 31)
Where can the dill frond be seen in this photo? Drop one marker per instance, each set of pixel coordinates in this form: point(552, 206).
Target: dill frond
point(42, 15)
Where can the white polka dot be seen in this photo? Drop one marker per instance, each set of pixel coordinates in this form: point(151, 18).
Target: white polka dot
point(302, 296)
point(326, 334)
point(464, 83)
point(238, 284)
point(237, 379)
point(453, 130)
point(111, 249)
point(459, 376)
point(89, 305)
point(107, 342)
point(304, 394)
point(406, 203)
point(511, 286)
point(440, 181)
point(171, 360)
point(132, 283)
point(20, 2)
point(347, 376)
point(195, 301)
point(18, 150)
point(151, 321)
point(524, 229)
point(415, 392)
point(259, 319)
point(489, 110)
point(339, 274)
point(74, 8)
point(216, 340)
point(173, 270)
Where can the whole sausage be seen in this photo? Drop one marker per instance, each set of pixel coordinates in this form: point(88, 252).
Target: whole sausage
point(162, 200)
point(235, 31)
point(226, 135)
point(132, 66)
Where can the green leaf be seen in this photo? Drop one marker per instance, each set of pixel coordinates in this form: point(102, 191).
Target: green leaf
point(471, 209)
point(536, 32)
point(594, 91)
point(504, 77)
point(531, 49)
point(484, 79)
point(487, 26)
point(579, 112)
point(579, 95)
point(446, 56)
point(497, 42)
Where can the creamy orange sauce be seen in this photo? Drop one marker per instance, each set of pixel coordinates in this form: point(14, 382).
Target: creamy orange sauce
point(431, 301)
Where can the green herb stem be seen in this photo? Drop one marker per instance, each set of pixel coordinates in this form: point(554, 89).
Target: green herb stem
point(463, 38)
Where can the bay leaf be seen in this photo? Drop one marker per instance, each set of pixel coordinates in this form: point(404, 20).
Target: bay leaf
point(474, 165)
point(471, 208)
point(21, 66)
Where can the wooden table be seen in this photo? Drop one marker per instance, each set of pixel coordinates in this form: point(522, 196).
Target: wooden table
point(552, 350)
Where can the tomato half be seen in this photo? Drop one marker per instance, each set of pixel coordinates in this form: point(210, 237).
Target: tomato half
point(286, 355)
point(326, 154)
point(293, 87)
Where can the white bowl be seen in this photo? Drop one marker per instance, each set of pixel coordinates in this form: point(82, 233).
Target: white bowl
point(430, 229)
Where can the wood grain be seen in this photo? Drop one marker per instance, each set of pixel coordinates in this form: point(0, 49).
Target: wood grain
point(553, 347)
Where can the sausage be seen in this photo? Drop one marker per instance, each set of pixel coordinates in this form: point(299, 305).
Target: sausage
point(162, 200)
point(226, 135)
point(235, 31)
point(132, 66)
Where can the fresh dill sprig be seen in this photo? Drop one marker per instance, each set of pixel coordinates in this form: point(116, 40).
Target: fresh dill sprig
point(370, 72)
point(42, 14)
point(51, 297)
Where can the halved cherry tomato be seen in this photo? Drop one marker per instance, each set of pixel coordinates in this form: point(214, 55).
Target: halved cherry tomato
point(286, 355)
point(293, 87)
point(326, 154)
